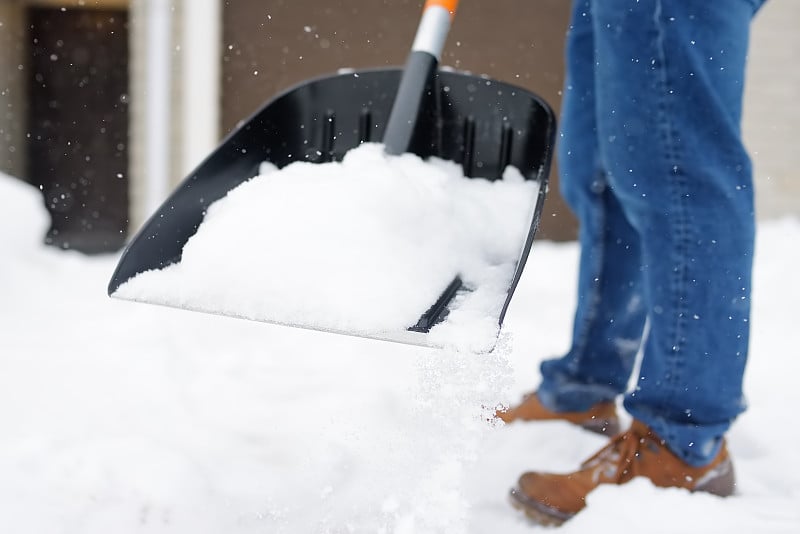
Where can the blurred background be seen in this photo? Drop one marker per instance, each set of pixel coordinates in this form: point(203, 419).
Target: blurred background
point(105, 105)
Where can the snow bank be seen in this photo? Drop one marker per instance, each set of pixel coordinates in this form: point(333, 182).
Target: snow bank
point(23, 215)
point(363, 246)
point(130, 419)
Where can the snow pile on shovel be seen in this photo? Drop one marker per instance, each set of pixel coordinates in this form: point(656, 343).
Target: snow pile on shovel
point(362, 246)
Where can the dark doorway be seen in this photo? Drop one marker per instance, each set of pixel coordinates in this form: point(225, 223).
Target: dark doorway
point(78, 147)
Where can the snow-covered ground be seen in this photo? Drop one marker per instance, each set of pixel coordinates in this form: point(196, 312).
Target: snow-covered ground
point(121, 417)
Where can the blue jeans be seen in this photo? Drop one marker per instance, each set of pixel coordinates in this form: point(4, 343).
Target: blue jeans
point(653, 164)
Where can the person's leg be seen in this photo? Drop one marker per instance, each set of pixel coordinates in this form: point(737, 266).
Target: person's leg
point(669, 90)
point(610, 313)
point(670, 77)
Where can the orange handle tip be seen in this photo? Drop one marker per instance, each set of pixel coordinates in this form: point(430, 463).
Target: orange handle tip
point(449, 5)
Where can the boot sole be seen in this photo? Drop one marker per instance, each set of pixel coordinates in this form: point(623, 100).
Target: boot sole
point(537, 512)
point(720, 481)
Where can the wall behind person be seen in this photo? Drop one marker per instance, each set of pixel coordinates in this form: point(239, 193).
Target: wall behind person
point(772, 108)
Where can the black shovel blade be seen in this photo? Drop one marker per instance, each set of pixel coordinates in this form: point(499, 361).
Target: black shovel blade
point(480, 123)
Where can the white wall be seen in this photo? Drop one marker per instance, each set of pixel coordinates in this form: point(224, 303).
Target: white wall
point(168, 144)
point(201, 59)
point(772, 108)
point(152, 52)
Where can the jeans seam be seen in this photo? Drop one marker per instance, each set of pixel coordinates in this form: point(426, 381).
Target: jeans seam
point(679, 220)
point(598, 253)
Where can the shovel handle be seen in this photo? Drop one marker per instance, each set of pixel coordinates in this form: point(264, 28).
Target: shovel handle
point(434, 26)
point(419, 71)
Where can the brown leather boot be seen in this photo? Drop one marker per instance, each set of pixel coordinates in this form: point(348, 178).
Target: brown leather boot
point(601, 418)
point(551, 499)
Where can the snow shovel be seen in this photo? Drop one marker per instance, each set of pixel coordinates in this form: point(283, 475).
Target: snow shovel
point(482, 124)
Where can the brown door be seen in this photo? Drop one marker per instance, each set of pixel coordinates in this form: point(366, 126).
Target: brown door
point(78, 156)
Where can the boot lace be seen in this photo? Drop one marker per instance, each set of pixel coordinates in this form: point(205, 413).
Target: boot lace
point(616, 462)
